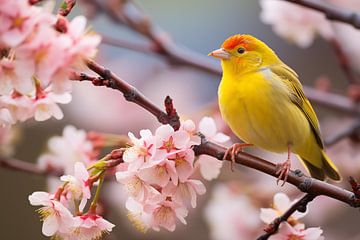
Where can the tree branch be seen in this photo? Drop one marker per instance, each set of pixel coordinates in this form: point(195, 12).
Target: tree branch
point(331, 12)
point(299, 205)
point(352, 130)
point(22, 166)
point(343, 61)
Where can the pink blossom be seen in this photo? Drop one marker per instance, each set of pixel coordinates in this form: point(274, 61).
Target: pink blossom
point(78, 184)
point(295, 23)
point(165, 213)
point(137, 215)
point(19, 106)
point(190, 128)
point(281, 204)
point(298, 232)
point(207, 127)
point(184, 163)
point(209, 166)
point(5, 118)
point(142, 150)
point(56, 217)
point(46, 106)
point(66, 150)
point(136, 187)
point(231, 215)
point(185, 192)
point(18, 20)
point(91, 227)
point(169, 141)
point(159, 172)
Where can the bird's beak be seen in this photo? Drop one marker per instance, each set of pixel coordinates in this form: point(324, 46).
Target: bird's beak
point(220, 54)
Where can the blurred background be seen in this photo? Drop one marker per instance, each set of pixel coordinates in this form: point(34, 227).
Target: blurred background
point(201, 26)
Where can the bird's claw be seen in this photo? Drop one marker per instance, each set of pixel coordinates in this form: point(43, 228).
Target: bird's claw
point(233, 151)
point(283, 170)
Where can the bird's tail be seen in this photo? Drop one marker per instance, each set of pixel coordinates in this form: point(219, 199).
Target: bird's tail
point(328, 168)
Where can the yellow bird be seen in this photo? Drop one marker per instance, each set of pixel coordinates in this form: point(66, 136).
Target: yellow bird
point(263, 102)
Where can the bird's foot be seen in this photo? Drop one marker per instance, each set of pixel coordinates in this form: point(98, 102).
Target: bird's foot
point(283, 169)
point(233, 151)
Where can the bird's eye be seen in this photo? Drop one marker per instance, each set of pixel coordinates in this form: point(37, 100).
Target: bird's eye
point(241, 50)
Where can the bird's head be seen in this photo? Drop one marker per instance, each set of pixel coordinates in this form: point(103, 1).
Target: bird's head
point(244, 53)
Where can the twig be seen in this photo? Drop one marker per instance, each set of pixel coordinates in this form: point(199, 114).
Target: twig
point(123, 43)
point(333, 101)
point(299, 205)
point(331, 12)
point(343, 62)
point(350, 131)
point(66, 7)
point(130, 93)
point(19, 165)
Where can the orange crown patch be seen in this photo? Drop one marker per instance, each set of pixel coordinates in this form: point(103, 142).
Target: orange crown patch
point(236, 40)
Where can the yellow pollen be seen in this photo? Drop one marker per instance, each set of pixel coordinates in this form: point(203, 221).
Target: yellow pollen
point(18, 22)
point(137, 223)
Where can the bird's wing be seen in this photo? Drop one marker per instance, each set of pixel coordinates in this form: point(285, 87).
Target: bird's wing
point(297, 96)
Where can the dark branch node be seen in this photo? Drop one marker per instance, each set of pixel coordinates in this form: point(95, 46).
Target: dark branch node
point(131, 95)
point(306, 185)
point(298, 173)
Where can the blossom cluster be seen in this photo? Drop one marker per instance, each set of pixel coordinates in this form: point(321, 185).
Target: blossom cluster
point(233, 215)
point(158, 172)
point(59, 221)
point(37, 51)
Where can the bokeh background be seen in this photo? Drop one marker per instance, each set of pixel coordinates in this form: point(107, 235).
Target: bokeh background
point(200, 25)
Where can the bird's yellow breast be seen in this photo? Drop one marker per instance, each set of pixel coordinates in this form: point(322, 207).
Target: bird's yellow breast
point(258, 109)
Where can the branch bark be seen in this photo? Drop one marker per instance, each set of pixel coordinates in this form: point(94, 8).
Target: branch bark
point(26, 167)
point(299, 205)
point(331, 12)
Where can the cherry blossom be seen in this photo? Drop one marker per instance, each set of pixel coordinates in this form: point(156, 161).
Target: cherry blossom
point(34, 68)
point(91, 227)
point(169, 141)
point(136, 187)
point(158, 174)
point(287, 232)
point(66, 150)
point(186, 191)
point(165, 213)
point(209, 166)
point(78, 184)
point(142, 150)
point(231, 215)
point(281, 204)
point(295, 23)
point(56, 217)
point(207, 126)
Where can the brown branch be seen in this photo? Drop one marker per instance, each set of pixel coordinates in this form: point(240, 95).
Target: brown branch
point(332, 101)
point(351, 131)
point(343, 61)
point(130, 93)
point(26, 167)
point(331, 12)
point(299, 205)
point(296, 178)
point(123, 43)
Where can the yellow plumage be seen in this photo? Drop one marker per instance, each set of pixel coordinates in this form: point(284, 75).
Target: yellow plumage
point(262, 101)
